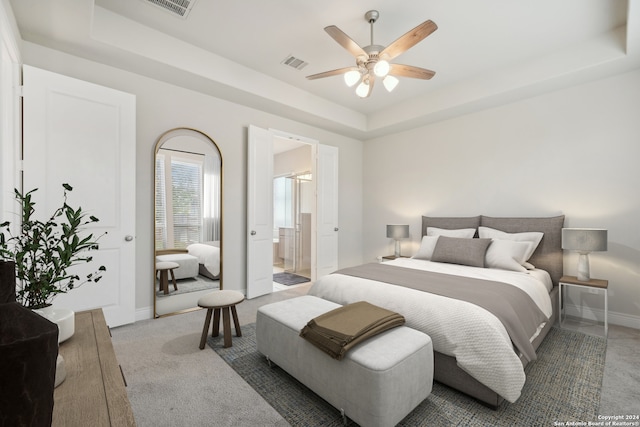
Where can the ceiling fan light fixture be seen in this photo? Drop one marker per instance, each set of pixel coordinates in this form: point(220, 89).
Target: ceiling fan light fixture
point(381, 68)
point(352, 77)
point(374, 60)
point(390, 83)
point(363, 89)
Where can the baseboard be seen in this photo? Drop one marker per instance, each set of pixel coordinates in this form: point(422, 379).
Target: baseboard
point(592, 314)
point(144, 313)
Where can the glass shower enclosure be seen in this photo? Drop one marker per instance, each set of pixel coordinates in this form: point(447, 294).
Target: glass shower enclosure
point(293, 206)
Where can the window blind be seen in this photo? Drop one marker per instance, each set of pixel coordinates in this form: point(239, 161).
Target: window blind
point(179, 199)
point(187, 201)
point(161, 204)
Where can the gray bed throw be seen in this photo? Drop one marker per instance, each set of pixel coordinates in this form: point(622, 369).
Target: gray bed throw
point(512, 306)
point(338, 330)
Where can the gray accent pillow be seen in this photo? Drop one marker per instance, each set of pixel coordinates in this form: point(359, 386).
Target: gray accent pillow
point(455, 250)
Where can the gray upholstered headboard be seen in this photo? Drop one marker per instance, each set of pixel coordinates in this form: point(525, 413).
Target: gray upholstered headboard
point(548, 255)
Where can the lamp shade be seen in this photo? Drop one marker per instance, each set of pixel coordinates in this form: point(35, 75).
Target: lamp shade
point(381, 68)
point(390, 83)
point(363, 89)
point(352, 77)
point(397, 231)
point(584, 239)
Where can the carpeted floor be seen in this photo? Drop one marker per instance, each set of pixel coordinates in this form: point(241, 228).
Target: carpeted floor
point(289, 279)
point(563, 385)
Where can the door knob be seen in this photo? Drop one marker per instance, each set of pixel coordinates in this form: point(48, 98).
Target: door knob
point(128, 238)
point(253, 232)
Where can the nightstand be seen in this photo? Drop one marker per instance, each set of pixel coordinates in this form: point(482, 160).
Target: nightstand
point(592, 284)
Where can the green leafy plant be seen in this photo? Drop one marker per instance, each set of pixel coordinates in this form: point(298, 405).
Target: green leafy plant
point(45, 251)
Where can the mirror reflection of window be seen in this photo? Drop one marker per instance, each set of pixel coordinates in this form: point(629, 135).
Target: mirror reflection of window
point(181, 197)
point(161, 202)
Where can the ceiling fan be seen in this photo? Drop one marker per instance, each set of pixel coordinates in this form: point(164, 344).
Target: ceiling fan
point(373, 61)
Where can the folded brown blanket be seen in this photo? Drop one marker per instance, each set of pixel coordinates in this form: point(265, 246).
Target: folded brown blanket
point(337, 331)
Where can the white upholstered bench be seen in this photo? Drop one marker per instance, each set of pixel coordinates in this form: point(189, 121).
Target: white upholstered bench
point(378, 383)
point(188, 264)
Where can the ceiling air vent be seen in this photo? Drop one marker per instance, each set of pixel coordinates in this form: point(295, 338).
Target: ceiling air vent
point(176, 7)
point(293, 62)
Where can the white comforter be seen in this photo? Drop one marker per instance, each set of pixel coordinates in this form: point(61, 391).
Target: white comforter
point(208, 255)
point(474, 336)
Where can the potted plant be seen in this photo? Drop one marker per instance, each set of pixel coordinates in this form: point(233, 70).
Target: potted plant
point(44, 252)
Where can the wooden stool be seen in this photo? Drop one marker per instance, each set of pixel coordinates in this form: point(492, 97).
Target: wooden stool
point(214, 302)
point(164, 268)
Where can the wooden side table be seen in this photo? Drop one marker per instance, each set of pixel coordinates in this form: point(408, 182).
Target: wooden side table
point(593, 284)
point(94, 393)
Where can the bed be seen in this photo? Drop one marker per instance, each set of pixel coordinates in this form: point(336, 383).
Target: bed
point(473, 351)
point(208, 254)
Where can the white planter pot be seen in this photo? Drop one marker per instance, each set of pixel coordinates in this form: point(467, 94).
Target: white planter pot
point(63, 317)
point(61, 371)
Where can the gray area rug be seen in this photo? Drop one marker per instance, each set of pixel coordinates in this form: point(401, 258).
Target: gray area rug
point(289, 279)
point(562, 385)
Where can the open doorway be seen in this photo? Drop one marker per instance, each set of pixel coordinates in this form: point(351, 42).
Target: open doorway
point(260, 228)
point(293, 205)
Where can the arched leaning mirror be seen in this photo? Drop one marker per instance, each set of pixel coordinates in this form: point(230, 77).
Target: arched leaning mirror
point(188, 220)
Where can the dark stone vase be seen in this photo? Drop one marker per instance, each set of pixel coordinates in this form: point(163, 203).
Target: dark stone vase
point(28, 352)
point(7, 281)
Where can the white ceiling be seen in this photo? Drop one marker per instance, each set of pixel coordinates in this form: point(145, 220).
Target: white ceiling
point(484, 52)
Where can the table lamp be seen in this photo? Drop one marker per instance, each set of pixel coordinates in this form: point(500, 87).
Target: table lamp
point(583, 241)
point(397, 232)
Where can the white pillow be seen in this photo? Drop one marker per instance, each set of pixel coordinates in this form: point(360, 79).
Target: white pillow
point(506, 255)
point(533, 237)
point(426, 247)
point(466, 233)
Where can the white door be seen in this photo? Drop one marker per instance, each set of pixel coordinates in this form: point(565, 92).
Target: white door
point(326, 177)
point(259, 212)
point(84, 135)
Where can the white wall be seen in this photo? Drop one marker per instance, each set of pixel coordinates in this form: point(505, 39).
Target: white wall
point(161, 107)
point(574, 151)
point(10, 120)
point(292, 161)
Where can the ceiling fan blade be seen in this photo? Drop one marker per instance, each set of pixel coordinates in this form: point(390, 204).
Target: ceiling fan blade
point(411, 71)
point(408, 40)
point(345, 41)
point(331, 73)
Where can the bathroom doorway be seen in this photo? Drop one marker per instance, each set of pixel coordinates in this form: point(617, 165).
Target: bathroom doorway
point(265, 160)
point(293, 206)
